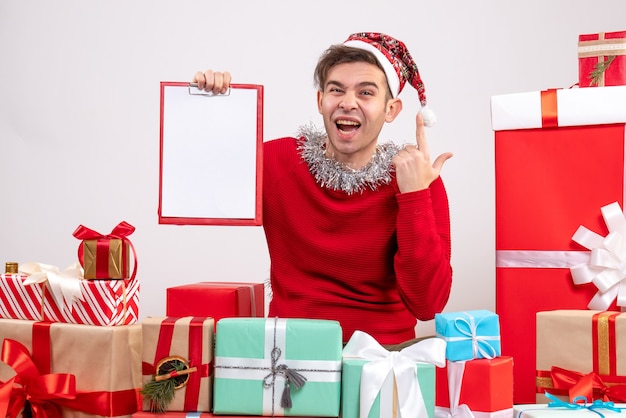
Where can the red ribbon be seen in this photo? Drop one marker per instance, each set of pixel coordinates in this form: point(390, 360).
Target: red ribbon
point(6, 390)
point(589, 385)
point(166, 332)
point(40, 390)
point(121, 231)
point(549, 109)
point(46, 392)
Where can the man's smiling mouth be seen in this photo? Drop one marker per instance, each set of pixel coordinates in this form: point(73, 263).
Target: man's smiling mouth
point(347, 125)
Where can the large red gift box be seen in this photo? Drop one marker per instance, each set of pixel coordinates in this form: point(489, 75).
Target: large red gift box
point(602, 59)
point(486, 385)
point(216, 300)
point(80, 370)
point(559, 158)
point(102, 302)
point(188, 341)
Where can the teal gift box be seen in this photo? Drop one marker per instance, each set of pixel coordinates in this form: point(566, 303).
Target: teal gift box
point(384, 403)
point(377, 383)
point(469, 334)
point(277, 367)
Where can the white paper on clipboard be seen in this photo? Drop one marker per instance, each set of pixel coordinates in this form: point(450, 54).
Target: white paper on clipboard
point(211, 156)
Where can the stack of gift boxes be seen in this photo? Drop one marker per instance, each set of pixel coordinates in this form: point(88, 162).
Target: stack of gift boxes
point(73, 345)
point(560, 236)
point(477, 377)
point(216, 354)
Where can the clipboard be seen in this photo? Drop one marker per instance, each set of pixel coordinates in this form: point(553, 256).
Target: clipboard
point(210, 168)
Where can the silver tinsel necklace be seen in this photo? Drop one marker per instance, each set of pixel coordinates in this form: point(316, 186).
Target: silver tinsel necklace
point(335, 175)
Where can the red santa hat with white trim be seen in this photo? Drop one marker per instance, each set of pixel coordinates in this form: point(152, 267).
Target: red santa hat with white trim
point(398, 64)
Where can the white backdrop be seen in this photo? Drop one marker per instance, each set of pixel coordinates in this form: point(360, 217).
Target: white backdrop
point(79, 113)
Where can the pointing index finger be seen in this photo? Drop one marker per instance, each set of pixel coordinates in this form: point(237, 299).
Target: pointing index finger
point(420, 134)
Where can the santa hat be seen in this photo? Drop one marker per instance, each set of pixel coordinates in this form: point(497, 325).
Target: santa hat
point(398, 64)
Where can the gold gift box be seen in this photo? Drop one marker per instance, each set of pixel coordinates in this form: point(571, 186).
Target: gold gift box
point(118, 259)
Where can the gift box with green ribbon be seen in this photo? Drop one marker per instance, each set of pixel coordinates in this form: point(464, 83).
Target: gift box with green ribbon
point(277, 367)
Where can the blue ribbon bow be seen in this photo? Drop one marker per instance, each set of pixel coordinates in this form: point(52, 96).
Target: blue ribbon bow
point(580, 402)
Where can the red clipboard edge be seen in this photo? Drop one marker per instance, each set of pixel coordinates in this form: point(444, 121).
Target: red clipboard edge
point(258, 215)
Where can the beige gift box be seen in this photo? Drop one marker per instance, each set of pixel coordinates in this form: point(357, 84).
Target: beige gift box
point(105, 361)
point(574, 343)
point(188, 339)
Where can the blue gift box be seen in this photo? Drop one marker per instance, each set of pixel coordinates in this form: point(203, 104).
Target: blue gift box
point(469, 334)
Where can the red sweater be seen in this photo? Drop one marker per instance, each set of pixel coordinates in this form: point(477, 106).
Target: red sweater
point(375, 261)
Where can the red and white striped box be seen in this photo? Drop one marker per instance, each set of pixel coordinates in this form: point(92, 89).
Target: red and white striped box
point(104, 302)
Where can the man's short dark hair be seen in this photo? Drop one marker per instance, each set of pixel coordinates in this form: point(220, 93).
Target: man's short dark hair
point(341, 54)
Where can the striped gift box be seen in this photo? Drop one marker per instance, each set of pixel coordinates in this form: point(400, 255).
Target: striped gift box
point(104, 302)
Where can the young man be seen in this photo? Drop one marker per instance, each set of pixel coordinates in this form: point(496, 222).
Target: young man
point(357, 231)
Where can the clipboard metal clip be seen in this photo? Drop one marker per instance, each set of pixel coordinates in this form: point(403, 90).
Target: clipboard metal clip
point(195, 91)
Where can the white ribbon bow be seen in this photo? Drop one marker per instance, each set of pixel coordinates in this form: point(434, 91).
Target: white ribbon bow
point(469, 329)
point(401, 364)
point(63, 285)
point(606, 268)
point(456, 369)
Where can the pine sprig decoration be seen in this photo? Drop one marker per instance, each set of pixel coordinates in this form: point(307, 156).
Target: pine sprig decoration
point(599, 70)
point(172, 373)
point(159, 394)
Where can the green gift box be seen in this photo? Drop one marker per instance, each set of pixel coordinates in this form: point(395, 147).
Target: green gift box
point(277, 367)
point(389, 384)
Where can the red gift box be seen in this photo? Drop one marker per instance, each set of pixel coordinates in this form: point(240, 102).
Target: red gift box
point(487, 385)
point(602, 59)
point(551, 177)
point(216, 300)
point(106, 256)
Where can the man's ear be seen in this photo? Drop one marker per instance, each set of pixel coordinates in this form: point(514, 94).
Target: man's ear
point(394, 106)
point(319, 101)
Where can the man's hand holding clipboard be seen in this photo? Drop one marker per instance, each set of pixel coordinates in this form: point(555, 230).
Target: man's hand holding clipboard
point(214, 82)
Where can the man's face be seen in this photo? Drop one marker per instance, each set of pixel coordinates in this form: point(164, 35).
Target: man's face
point(354, 107)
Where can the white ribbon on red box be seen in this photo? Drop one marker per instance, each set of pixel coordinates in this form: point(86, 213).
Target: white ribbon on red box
point(606, 266)
point(64, 285)
point(456, 369)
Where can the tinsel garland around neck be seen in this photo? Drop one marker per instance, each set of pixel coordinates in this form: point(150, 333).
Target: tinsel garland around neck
point(335, 175)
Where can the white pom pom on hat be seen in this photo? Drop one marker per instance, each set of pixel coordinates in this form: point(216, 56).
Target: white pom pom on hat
point(398, 64)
